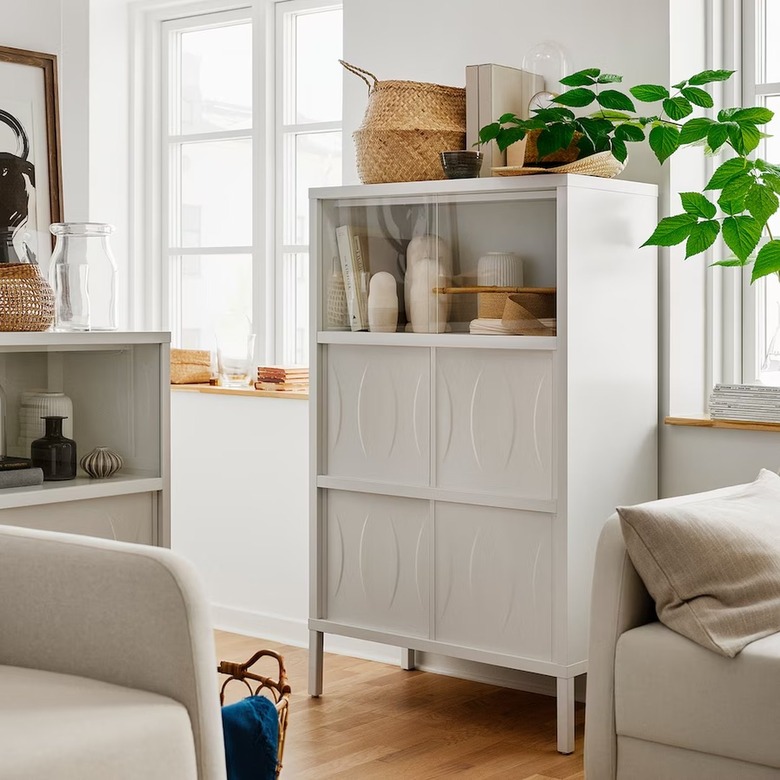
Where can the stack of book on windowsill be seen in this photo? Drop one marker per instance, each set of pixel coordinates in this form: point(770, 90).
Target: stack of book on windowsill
point(283, 378)
point(755, 403)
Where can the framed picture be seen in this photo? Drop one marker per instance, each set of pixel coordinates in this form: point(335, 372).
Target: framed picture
point(30, 167)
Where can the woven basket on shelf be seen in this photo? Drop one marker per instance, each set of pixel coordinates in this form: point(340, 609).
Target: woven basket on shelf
point(600, 164)
point(406, 125)
point(190, 366)
point(26, 299)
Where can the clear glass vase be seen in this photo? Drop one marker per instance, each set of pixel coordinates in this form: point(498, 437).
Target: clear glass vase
point(83, 275)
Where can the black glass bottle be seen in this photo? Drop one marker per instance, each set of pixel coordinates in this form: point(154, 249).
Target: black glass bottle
point(54, 454)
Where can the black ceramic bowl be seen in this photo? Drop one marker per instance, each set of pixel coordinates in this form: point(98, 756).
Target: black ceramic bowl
point(461, 164)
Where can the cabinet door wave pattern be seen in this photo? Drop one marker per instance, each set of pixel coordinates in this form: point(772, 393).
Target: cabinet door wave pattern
point(494, 422)
point(378, 561)
point(493, 581)
point(378, 414)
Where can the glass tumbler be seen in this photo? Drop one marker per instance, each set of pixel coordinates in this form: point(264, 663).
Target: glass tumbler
point(83, 275)
point(235, 358)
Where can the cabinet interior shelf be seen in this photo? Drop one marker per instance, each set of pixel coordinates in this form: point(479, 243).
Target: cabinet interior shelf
point(468, 340)
point(78, 489)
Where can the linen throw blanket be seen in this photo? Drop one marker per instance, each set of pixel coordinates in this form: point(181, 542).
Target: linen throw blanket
point(251, 729)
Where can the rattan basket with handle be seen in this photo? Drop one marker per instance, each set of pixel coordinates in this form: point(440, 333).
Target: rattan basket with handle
point(26, 299)
point(406, 125)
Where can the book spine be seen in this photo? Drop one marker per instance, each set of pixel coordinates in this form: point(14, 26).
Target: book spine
point(360, 265)
point(351, 282)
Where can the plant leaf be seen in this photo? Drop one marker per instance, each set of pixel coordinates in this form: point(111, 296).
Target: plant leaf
point(672, 230)
point(731, 262)
point(717, 135)
point(612, 116)
point(702, 237)
point(695, 129)
point(767, 260)
point(741, 234)
point(695, 203)
point(580, 79)
point(611, 98)
point(664, 140)
point(708, 76)
point(575, 79)
point(738, 187)
point(699, 97)
point(619, 151)
point(609, 78)
point(628, 132)
point(755, 115)
point(554, 137)
point(489, 132)
point(761, 202)
point(677, 107)
point(509, 135)
point(578, 97)
point(750, 137)
point(726, 172)
point(553, 114)
point(763, 165)
point(505, 118)
point(649, 93)
point(725, 114)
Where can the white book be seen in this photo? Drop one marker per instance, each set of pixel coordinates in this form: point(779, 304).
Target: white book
point(491, 91)
point(354, 268)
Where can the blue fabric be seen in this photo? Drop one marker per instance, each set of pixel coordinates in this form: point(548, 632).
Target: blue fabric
point(251, 729)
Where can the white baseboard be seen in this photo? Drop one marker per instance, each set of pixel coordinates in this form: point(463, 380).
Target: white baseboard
point(296, 633)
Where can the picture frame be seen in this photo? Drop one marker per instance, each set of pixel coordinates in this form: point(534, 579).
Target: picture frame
point(30, 156)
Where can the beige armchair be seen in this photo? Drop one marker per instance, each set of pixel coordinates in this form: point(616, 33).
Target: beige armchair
point(106, 662)
point(661, 707)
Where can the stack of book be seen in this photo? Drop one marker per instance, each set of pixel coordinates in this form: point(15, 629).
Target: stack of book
point(757, 403)
point(283, 378)
point(18, 472)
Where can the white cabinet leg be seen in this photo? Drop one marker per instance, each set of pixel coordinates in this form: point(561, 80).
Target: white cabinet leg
point(565, 702)
point(315, 662)
point(407, 658)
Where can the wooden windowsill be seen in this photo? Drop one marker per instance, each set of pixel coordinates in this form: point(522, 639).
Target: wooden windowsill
point(249, 392)
point(706, 422)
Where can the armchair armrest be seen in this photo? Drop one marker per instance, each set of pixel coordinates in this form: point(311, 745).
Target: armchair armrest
point(122, 613)
point(619, 603)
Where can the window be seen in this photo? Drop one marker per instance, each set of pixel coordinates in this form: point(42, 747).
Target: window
point(234, 206)
point(761, 85)
point(308, 152)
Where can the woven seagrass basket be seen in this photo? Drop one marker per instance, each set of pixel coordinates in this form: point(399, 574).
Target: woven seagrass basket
point(406, 125)
point(26, 299)
point(190, 366)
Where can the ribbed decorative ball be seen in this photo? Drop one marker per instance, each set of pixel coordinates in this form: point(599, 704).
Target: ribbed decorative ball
point(101, 463)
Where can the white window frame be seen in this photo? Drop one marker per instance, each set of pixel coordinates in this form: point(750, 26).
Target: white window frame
point(754, 296)
point(149, 304)
point(284, 127)
point(171, 256)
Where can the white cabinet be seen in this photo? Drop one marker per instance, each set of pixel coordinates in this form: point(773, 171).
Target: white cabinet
point(119, 386)
point(460, 480)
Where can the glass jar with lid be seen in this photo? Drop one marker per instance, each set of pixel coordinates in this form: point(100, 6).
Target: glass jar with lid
point(83, 275)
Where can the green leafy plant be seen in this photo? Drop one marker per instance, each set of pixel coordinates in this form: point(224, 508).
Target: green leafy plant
point(737, 201)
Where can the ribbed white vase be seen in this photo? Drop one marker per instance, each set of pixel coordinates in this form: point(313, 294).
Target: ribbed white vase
point(101, 463)
point(500, 269)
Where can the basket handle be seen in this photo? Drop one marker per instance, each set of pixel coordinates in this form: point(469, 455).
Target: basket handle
point(359, 72)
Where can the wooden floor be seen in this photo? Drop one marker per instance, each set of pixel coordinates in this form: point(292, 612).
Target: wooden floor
point(378, 721)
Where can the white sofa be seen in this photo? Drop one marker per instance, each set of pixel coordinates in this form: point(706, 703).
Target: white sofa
point(107, 665)
point(661, 707)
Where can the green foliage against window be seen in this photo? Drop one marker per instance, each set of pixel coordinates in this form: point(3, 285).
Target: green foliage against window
point(741, 195)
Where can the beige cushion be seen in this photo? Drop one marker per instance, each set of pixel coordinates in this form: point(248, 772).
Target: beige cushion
point(712, 565)
point(73, 728)
point(671, 691)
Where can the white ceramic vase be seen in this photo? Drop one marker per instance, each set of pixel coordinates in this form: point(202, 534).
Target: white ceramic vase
point(429, 310)
point(101, 463)
point(422, 248)
point(382, 303)
point(502, 269)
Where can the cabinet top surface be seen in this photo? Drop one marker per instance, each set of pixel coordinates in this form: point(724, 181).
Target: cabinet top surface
point(544, 182)
point(88, 339)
